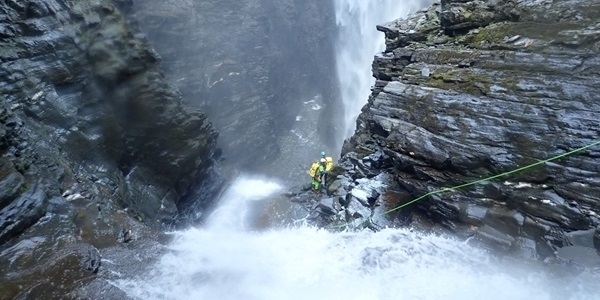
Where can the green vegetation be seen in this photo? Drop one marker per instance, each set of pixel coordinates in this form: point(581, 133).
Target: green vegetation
point(464, 80)
point(23, 188)
point(492, 34)
point(495, 35)
point(22, 165)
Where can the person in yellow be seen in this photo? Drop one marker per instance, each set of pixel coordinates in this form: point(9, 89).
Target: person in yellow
point(318, 173)
point(328, 165)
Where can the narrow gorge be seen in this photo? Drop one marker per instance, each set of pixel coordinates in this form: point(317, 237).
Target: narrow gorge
point(158, 149)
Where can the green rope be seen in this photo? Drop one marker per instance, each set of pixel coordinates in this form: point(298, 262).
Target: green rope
point(439, 191)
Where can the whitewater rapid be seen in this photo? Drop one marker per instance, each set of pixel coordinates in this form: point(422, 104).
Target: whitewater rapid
point(227, 259)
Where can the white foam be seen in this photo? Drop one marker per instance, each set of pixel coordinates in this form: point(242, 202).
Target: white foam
point(232, 213)
point(309, 263)
point(226, 261)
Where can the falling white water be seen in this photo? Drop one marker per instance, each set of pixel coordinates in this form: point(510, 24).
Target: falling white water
point(234, 206)
point(358, 42)
point(226, 261)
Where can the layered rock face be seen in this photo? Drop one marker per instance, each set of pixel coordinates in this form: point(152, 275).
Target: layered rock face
point(252, 66)
point(470, 89)
point(91, 137)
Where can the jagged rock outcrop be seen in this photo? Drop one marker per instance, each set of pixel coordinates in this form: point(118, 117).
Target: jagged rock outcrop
point(466, 90)
point(252, 66)
point(94, 92)
point(92, 140)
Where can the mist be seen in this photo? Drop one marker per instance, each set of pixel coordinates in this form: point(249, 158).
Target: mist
point(276, 107)
point(260, 70)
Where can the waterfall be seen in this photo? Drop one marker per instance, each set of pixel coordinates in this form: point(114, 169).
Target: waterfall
point(230, 259)
point(235, 206)
point(357, 43)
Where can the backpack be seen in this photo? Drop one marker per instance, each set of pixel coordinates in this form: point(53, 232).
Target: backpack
point(313, 169)
point(329, 163)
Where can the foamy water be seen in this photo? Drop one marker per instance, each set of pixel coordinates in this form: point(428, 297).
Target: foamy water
point(235, 262)
point(234, 206)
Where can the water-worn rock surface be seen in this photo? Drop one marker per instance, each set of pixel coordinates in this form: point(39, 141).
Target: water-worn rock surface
point(466, 90)
point(93, 140)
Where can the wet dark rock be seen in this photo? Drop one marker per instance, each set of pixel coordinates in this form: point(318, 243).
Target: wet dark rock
point(596, 240)
point(124, 5)
point(496, 238)
point(22, 212)
point(467, 90)
point(584, 238)
point(100, 289)
point(327, 205)
point(336, 186)
point(381, 218)
point(125, 235)
point(93, 139)
point(355, 209)
point(91, 100)
point(402, 33)
point(583, 256)
point(11, 182)
point(525, 248)
point(459, 15)
point(91, 260)
point(348, 204)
